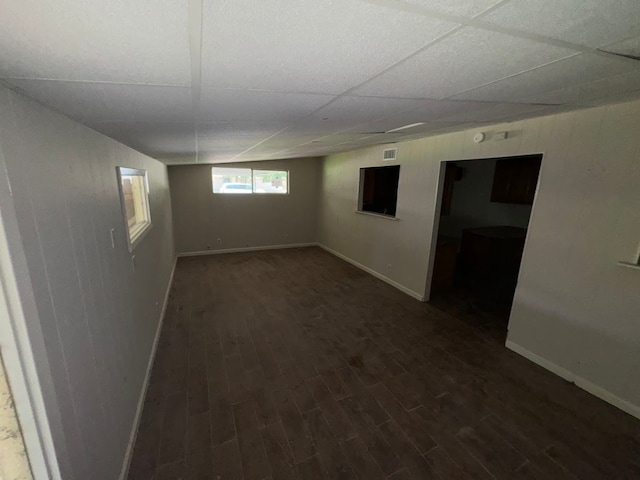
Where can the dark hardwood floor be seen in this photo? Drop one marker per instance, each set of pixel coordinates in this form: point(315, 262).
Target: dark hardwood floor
point(293, 364)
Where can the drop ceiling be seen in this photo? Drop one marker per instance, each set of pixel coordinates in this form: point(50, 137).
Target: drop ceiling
point(209, 81)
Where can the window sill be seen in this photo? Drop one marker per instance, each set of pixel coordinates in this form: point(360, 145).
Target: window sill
point(378, 215)
point(634, 266)
point(138, 236)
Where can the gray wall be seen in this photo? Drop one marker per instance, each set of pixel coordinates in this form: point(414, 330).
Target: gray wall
point(96, 317)
point(241, 221)
point(472, 206)
point(575, 310)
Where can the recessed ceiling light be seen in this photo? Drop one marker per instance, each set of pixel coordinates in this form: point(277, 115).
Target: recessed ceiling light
point(405, 127)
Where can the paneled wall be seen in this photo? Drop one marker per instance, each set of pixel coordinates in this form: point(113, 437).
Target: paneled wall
point(207, 222)
point(97, 313)
point(575, 310)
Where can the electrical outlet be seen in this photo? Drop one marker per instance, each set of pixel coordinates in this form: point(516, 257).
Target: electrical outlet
point(389, 267)
point(219, 241)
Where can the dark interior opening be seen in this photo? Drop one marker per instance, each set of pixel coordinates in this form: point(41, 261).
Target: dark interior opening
point(379, 189)
point(484, 217)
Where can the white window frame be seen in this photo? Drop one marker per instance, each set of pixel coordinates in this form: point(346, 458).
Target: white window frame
point(135, 236)
point(253, 192)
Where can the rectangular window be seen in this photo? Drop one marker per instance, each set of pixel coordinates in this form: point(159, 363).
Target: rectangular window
point(246, 180)
point(134, 196)
point(270, 181)
point(379, 190)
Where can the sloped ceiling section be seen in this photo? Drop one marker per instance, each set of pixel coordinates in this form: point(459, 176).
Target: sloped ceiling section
point(210, 81)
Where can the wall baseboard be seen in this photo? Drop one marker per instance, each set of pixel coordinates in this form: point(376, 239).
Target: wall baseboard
point(136, 421)
point(586, 385)
point(247, 249)
point(370, 271)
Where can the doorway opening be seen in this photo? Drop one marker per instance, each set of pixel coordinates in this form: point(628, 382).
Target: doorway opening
point(479, 237)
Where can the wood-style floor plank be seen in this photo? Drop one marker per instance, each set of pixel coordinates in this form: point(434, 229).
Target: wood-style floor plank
point(292, 364)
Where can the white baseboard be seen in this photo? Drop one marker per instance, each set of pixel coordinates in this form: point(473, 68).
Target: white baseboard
point(586, 385)
point(370, 271)
point(136, 421)
point(247, 249)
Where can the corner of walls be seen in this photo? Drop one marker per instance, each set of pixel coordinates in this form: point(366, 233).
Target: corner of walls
point(573, 310)
point(370, 271)
point(396, 252)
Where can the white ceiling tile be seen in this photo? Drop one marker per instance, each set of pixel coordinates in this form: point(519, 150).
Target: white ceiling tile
point(237, 144)
point(495, 112)
point(103, 102)
point(428, 112)
point(468, 8)
point(584, 22)
point(287, 140)
point(144, 41)
point(581, 68)
point(152, 139)
point(232, 130)
point(276, 66)
point(630, 46)
point(586, 93)
point(307, 45)
point(226, 105)
point(335, 139)
point(349, 112)
point(316, 126)
point(381, 126)
point(467, 59)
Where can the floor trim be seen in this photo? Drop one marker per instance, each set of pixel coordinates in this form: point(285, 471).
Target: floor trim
point(136, 422)
point(586, 385)
point(247, 249)
point(370, 271)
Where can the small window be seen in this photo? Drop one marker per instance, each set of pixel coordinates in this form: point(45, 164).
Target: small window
point(231, 180)
point(379, 190)
point(134, 195)
point(270, 181)
point(246, 180)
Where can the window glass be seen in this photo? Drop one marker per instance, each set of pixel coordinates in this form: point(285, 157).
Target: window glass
point(270, 181)
point(231, 180)
point(135, 203)
point(246, 180)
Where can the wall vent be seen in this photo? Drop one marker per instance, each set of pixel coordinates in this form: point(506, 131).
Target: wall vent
point(389, 154)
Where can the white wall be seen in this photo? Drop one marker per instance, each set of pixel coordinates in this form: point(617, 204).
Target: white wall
point(244, 221)
point(471, 205)
point(96, 318)
point(575, 310)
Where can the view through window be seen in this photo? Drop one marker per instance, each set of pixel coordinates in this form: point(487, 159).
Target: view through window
point(135, 203)
point(247, 181)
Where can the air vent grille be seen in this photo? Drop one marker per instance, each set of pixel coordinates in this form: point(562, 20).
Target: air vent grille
point(389, 154)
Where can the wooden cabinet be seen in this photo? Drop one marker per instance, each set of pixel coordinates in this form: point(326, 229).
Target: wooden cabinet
point(515, 179)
